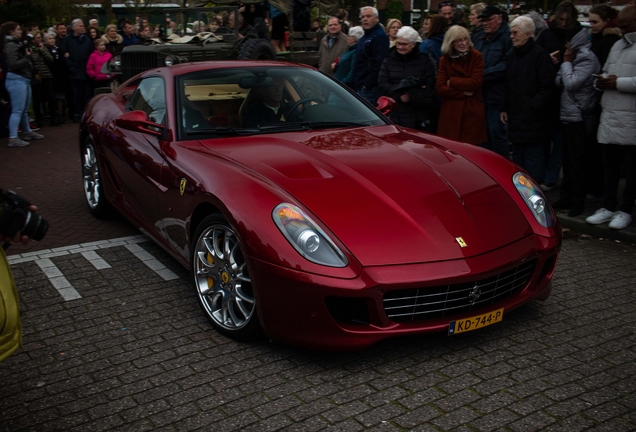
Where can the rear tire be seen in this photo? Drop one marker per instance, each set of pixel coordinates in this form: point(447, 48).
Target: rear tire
point(256, 49)
point(92, 181)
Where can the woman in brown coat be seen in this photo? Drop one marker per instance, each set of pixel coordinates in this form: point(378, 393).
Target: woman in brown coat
point(461, 73)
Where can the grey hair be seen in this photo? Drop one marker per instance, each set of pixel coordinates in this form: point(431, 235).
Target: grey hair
point(539, 22)
point(93, 20)
point(356, 32)
point(49, 33)
point(375, 11)
point(408, 33)
point(525, 24)
point(75, 22)
point(478, 7)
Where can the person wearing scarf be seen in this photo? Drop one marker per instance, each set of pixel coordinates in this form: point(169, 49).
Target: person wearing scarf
point(459, 80)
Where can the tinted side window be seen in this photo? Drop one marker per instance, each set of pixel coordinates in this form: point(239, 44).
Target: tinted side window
point(150, 97)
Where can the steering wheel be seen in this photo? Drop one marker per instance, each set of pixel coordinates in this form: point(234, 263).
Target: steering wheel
point(294, 109)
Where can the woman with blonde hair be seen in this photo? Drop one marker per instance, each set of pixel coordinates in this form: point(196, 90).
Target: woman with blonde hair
point(459, 78)
point(114, 41)
point(392, 27)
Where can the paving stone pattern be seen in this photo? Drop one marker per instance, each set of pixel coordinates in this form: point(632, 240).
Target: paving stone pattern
point(135, 353)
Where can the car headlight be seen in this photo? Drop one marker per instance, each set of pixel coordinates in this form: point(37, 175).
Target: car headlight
point(306, 236)
point(534, 198)
point(169, 61)
point(117, 61)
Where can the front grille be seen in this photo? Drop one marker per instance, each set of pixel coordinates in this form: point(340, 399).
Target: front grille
point(418, 304)
point(134, 62)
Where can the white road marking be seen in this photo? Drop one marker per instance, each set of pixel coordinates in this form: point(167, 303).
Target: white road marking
point(152, 263)
point(88, 250)
point(73, 249)
point(98, 262)
point(57, 279)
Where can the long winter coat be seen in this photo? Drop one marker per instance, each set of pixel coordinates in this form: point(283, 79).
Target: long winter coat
point(42, 59)
point(372, 48)
point(462, 117)
point(529, 88)
point(79, 49)
point(579, 97)
point(114, 47)
point(618, 120)
point(494, 50)
point(397, 67)
point(603, 42)
point(326, 55)
point(344, 69)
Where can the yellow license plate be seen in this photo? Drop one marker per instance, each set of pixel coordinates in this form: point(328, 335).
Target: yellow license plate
point(476, 322)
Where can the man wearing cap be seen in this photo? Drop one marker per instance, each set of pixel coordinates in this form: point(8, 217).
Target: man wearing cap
point(493, 42)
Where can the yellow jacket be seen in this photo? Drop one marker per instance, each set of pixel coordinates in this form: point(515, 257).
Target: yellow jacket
point(10, 326)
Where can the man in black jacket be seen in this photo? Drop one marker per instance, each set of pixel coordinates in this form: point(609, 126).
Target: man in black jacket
point(371, 50)
point(78, 49)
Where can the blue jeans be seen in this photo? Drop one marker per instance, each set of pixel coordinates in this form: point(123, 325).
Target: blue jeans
point(497, 132)
point(370, 95)
point(532, 158)
point(19, 89)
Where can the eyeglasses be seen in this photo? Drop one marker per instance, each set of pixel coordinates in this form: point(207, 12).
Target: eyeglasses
point(461, 41)
point(594, 22)
point(445, 3)
point(485, 20)
point(403, 43)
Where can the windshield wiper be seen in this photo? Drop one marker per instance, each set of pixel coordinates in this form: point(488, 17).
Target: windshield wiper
point(222, 130)
point(278, 127)
point(335, 124)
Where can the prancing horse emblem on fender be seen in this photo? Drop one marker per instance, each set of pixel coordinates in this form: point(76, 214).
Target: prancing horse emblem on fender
point(461, 242)
point(182, 186)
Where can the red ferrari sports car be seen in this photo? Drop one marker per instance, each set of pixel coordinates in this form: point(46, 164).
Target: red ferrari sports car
point(305, 213)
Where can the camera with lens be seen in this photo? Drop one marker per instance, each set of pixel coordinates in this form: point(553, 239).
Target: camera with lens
point(15, 217)
point(26, 42)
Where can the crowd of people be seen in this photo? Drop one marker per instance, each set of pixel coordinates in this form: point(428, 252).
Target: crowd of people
point(53, 72)
point(551, 95)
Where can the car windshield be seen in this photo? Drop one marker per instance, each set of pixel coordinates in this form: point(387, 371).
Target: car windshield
point(259, 100)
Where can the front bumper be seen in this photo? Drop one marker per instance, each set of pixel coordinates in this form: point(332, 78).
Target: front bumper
point(328, 313)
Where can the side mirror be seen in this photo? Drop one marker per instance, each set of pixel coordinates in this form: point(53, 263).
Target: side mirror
point(138, 121)
point(386, 105)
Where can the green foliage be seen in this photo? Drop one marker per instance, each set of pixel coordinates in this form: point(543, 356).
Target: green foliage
point(22, 12)
point(394, 9)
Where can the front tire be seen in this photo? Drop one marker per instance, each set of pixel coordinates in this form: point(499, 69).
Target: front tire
point(92, 181)
point(222, 280)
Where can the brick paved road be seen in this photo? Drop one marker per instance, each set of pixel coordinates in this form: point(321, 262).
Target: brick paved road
point(48, 173)
point(135, 353)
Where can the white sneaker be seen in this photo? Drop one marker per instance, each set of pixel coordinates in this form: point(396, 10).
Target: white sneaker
point(620, 220)
point(601, 215)
point(17, 142)
point(32, 136)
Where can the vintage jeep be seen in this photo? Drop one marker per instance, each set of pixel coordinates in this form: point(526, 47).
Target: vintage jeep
point(187, 39)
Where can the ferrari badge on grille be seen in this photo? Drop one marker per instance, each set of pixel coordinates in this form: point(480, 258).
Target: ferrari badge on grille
point(182, 186)
point(461, 242)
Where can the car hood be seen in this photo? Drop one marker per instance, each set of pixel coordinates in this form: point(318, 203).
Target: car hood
point(389, 196)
